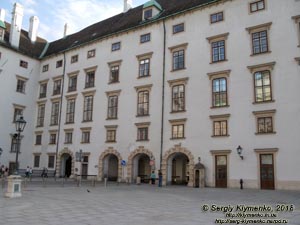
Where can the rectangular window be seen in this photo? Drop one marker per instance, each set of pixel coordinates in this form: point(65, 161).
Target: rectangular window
point(41, 115)
point(257, 6)
point(116, 46)
point(178, 98)
point(14, 144)
point(90, 79)
point(70, 111)
point(36, 162)
point(178, 28)
point(52, 139)
point(216, 17)
point(45, 68)
point(85, 137)
point(74, 59)
point(144, 68)
point(112, 112)
point(219, 95)
point(23, 64)
point(88, 108)
point(218, 51)
point(111, 136)
point(177, 131)
point(51, 159)
point(59, 63)
point(114, 74)
point(38, 139)
point(145, 38)
point(220, 128)
point(262, 82)
point(260, 42)
point(178, 60)
point(143, 103)
point(43, 90)
point(57, 87)
point(54, 113)
point(142, 134)
point(91, 53)
point(17, 113)
point(148, 14)
point(265, 125)
point(21, 84)
point(68, 137)
point(72, 83)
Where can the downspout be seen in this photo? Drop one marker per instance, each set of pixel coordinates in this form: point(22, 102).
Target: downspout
point(59, 116)
point(163, 99)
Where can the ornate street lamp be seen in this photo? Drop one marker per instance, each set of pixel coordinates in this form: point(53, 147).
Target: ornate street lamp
point(20, 126)
point(239, 151)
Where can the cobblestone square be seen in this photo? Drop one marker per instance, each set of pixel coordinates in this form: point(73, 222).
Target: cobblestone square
point(132, 204)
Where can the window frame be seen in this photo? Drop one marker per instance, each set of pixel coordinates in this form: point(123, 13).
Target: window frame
point(88, 108)
point(90, 79)
point(85, 136)
point(146, 12)
point(68, 137)
point(50, 163)
point(112, 107)
point(142, 131)
point(41, 114)
point(297, 22)
point(57, 86)
point(111, 134)
point(91, 53)
point(180, 99)
point(257, 4)
point(52, 138)
point(178, 28)
point(45, 68)
point(270, 114)
point(23, 64)
point(36, 160)
point(174, 83)
point(217, 17)
point(71, 86)
point(221, 118)
point(54, 119)
point(116, 46)
point(43, 86)
point(175, 49)
point(21, 84)
point(74, 59)
point(70, 110)
point(59, 63)
point(178, 123)
point(217, 39)
point(144, 38)
point(263, 86)
point(38, 138)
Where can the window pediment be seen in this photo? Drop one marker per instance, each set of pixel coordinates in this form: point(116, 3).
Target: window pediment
point(265, 66)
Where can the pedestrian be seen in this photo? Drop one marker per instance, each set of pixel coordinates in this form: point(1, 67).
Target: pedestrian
point(45, 172)
point(30, 173)
point(153, 177)
point(27, 172)
point(159, 178)
point(2, 170)
point(6, 172)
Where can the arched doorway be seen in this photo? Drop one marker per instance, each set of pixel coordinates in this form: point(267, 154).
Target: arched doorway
point(110, 167)
point(66, 165)
point(139, 165)
point(178, 167)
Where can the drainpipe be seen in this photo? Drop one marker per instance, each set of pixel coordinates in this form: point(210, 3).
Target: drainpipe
point(163, 99)
point(59, 116)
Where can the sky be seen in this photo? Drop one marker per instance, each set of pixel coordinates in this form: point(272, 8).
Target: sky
point(53, 14)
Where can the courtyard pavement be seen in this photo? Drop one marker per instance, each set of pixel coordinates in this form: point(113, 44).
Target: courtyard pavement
point(55, 204)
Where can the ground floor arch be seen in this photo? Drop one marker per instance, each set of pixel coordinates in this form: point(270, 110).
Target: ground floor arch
point(110, 165)
point(65, 163)
point(178, 167)
point(140, 164)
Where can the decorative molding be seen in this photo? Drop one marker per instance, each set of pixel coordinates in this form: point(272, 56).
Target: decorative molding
point(225, 116)
point(223, 73)
point(116, 62)
point(257, 27)
point(108, 127)
point(71, 96)
point(92, 68)
point(22, 78)
point(266, 150)
point(89, 92)
point(144, 124)
point(144, 87)
point(55, 99)
point(144, 56)
point(17, 106)
point(263, 112)
point(115, 92)
point(218, 37)
point(74, 73)
point(264, 66)
point(218, 152)
point(59, 77)
point(183, 120)
point(43, 81)
point(85, 128)
point(178, 81)
point(181, 46)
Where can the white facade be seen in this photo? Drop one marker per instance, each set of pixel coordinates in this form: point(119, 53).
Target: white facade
point(279, 18)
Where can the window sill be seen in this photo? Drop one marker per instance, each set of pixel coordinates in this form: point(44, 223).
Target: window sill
point(37, 144)
point(115, 82)
point(220, 61)
point(52, 143)
point(86, 121)
point(146, 115)
point(39, 126)
point(261, 53)
point(181, 111)
point(217, 107)
point(112, 118)
point(84, 142)
point(141, 77)
point(110, 142)
point(56, 94)
point(258, 103)
point(89, 87)
point(52, 125)
point(142, 140)
point(220, 136)
point(265, 133)
point(69, 123)
point(40, 98)
point(174, 139)
point(175, 70)
point(69, 91)
point(68, 143)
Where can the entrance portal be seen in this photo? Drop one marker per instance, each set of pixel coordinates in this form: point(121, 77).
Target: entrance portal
point(221, 171)
point(141, 167)
point(66, 165)
point(267, 171)
point(178, 169)
point(110, 167)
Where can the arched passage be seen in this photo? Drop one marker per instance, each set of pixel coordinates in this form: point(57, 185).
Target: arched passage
point(178, 166)
point(139, 164)
point(110, 165)
point(65, 163)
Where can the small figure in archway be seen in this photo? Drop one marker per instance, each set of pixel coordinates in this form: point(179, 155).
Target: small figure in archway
point(44, 173)
point(153, 177)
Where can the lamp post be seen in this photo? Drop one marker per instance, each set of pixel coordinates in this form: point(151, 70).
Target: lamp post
point(20, 125)
point(79, 158)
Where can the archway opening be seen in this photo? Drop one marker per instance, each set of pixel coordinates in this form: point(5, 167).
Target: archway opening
point(111, 167)
point(141, 167)
point(178, 169)
point(66, 165)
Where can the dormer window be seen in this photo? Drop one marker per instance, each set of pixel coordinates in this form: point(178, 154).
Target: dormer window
point(151, 10)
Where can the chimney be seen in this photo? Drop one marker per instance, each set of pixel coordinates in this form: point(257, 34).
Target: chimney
point(2, 15)
point(66, 30)
point(127, 5)
point(16, 25)
point(33, 27)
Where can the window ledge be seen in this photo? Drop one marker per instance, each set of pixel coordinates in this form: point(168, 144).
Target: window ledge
point(39, 126)
point(86, 121)
point(37, 145)
point(141, 77)
point(52, 143)
point(71, 91)
point(146, 115)
point(220, 136)
point(142, 140)
point(261, 53)
point(217, 107)
point(111, 142)
point(265, 133)
point(115, 82)
point(112, 118)
point(84, 142)
point(220, 61)
point(182, 138)
point(53, 125)
point(257, 103)
point(89, 87)
point(174, 70)
point(69, 123)
point(67, 143)
point(181, 111)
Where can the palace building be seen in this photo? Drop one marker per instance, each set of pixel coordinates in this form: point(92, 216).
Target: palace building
point(170, 85)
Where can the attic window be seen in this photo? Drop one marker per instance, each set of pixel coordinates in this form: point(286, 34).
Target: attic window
point(147, 14)
point(23, 64)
